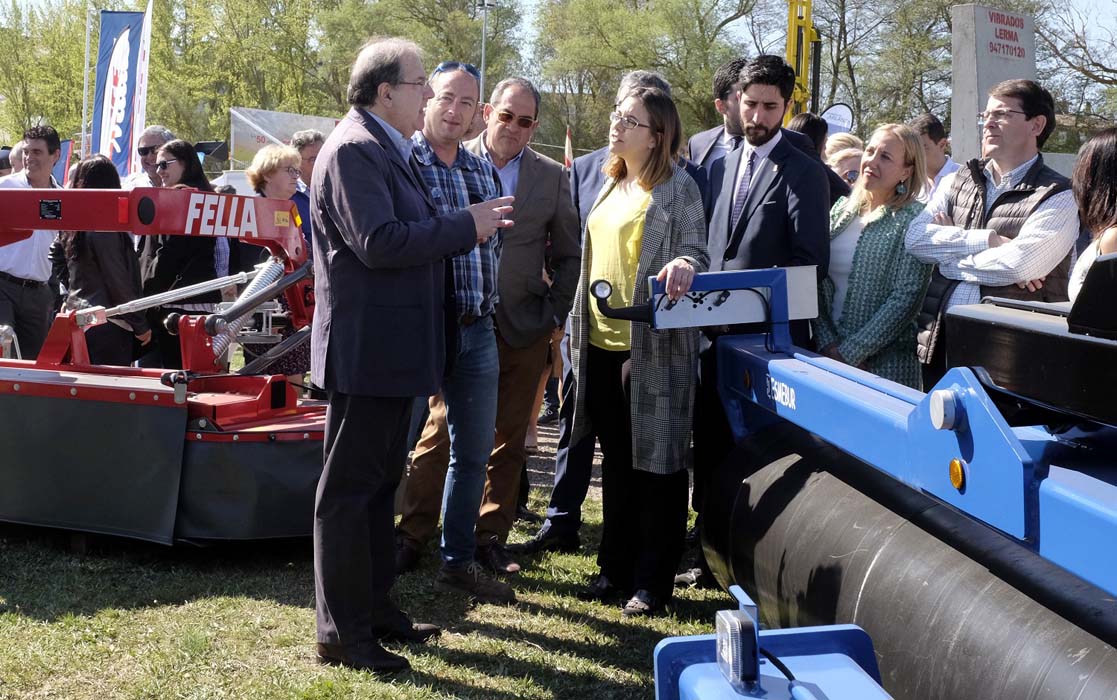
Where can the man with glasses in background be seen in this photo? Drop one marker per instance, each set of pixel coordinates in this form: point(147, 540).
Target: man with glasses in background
point(149, 143)
point(448, 467)
point(1005, 224)
point(529, 310)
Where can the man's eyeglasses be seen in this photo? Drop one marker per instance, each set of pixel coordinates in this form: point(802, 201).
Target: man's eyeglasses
point(164, 164)
point(422, 82)
point(505, 117)
point(145, 151)
point(998, 115)
point(457, 65)
point(627, 121)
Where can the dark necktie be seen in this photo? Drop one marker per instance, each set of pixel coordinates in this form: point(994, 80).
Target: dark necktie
point(735, 143)
point(742, 191)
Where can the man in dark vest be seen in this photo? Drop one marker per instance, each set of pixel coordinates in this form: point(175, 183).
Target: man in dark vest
point(1005, 224)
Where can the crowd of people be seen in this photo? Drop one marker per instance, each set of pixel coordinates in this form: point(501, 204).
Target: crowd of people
point(452, 266)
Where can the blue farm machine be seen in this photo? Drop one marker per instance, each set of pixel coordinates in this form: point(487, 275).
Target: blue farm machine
point(947, 545)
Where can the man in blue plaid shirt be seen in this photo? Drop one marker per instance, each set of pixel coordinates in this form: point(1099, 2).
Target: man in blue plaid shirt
point(460, 430)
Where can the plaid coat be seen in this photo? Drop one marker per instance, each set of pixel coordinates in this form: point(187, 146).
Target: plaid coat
point(664, 363)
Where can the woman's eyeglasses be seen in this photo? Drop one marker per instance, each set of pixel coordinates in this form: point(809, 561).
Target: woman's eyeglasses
point(507, 117)
point(293, 172)
point(850, 176)
point(164, 164)
point(627, 121)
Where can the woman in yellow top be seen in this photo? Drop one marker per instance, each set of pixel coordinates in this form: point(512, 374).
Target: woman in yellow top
point(635, 385)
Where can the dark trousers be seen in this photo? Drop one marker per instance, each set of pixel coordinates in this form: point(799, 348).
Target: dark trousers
point(168, 346)
point(354, 545)
point(109, 344)
point(28, 310)
point(644, 528)
point(713, 440)
point(573, 463)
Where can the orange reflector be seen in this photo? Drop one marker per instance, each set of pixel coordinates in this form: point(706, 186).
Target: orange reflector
point(957, 474)
point(121, 210)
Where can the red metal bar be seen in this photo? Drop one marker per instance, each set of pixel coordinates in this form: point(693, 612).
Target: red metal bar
point(149, 211)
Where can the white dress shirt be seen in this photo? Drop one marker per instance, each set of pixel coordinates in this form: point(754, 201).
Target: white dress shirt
point(27, 259)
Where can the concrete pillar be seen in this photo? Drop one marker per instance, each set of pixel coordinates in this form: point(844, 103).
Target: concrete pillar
point(989, 45)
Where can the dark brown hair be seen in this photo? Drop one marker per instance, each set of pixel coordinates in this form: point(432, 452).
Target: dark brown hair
point(1094, 182)
point(94, 173)
point(663, 118)
point(1035, 100)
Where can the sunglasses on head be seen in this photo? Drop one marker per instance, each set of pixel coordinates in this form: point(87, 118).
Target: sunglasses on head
point(164, 164)
point(507, 117)
point(145, 151)
point(457, 65)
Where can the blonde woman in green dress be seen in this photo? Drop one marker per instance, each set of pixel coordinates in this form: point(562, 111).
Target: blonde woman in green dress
point(874, 287)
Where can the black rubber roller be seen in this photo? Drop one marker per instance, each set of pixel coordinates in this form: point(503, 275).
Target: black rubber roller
point(956, 610)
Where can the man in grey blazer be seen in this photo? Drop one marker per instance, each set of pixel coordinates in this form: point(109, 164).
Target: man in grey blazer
point(770, 208)
point(529, 309)
point(378, 341)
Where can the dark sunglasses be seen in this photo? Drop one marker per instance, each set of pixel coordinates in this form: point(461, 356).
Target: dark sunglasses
point(164, 164)
point(457, 65)
point(507, 118)
point(145, 151)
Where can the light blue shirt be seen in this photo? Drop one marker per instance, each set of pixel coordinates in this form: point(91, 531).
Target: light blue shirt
point(510, 174)
point(402, 145)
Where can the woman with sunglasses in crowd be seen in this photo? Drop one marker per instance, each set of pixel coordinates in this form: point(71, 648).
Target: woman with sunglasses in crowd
point(173, 262)
point(874, 286)
point(102, 270)
point(635, 385)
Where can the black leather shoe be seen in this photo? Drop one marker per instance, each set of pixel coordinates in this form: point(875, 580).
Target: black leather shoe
point(408, 555)
point(643, 604)
point(396, 626)
point(494, 557)
point(547, 541)
point(522, 513)
point(365, 656)
point(417, 632)
point(601, 589)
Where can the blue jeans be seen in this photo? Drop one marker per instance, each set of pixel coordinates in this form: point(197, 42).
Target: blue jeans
point(470, 394)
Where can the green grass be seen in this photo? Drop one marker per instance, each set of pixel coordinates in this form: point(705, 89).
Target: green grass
point(127, 620)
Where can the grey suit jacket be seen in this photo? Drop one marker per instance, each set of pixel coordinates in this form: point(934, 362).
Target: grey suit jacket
point(378, 267)
point(544, 214)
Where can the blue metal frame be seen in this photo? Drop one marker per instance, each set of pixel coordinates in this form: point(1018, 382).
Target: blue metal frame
point(834, 663)
point(774, 280)
point(1023, 481)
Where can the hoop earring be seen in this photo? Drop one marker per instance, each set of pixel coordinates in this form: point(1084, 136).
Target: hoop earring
point(901, 188)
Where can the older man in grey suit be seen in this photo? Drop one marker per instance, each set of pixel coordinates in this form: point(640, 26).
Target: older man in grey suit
point(378, 342)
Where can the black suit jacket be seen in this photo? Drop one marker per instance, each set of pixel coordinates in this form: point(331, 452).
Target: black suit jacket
point(379, 278)
point(586, 180)
point(786, 216)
